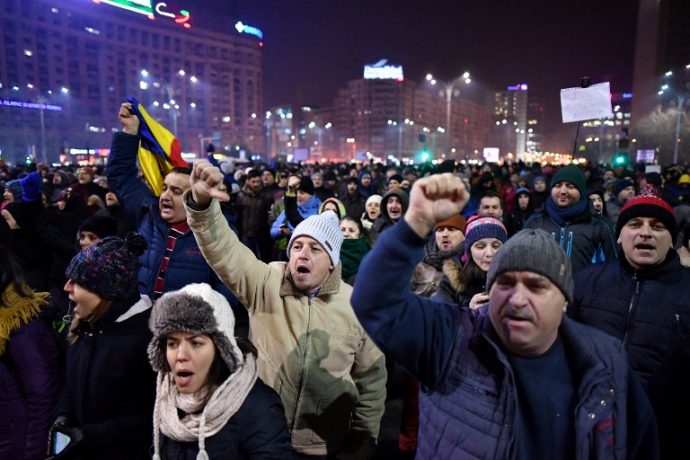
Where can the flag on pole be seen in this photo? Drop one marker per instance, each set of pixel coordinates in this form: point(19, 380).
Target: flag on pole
point(159, 149)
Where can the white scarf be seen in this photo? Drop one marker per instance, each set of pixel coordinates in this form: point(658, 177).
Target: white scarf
point(223, 404)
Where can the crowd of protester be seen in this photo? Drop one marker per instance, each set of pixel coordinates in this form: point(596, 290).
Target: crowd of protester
point(258, 312)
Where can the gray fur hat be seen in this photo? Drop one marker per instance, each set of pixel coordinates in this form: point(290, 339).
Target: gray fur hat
point(534, 250)
point(194, 308)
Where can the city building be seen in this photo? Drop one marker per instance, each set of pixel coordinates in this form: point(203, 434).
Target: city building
point(65, 67)
point(600, 140)
point(509, 131)
point(364, 112)
point(661, 81)
point(662, 43)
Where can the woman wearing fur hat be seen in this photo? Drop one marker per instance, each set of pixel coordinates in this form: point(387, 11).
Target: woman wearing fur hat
point(210, 402)
point(466, 285)
point(108, 400)
point(30, 377)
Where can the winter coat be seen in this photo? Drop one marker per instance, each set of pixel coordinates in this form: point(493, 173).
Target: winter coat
point(312, 350)
point(469, 406)
point(186, 263)
point(30, 380)
point(256, 431)
point(649, 311)
point(110, 387)
point(354, 204)
point(252, 210)
point(586, 240)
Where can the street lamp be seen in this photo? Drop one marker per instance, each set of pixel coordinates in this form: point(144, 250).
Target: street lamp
point(169, 92)
point(681, 97)
point(449, 89)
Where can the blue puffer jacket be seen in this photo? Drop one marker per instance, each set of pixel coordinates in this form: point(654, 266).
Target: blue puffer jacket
point(648, 309)
point(187, 264)
point(469, 406)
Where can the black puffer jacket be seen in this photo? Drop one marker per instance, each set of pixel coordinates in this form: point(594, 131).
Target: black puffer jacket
point(257, 431)
point(110, 387)
point(649, 311)
point(587, 239)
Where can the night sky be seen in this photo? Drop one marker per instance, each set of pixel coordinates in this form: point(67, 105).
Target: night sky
point(313, 47)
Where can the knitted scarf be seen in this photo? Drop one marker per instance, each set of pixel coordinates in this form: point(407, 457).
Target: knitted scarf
point(351, 254)
point(434, 256)
point(201, 421)
point(18, 310)
point(563, 216)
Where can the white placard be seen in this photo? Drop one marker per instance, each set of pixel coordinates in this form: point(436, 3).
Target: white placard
point(491, 154)
point(578, 104)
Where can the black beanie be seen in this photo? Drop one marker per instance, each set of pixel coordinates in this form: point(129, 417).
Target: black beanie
point(100, 225)
point(306, 185)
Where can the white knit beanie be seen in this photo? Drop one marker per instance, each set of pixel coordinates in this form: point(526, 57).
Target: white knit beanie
point(325, 229)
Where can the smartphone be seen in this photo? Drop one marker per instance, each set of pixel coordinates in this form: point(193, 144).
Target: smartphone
point(59, 441)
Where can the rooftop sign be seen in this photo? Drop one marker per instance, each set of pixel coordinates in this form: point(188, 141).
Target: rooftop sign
point(148, 8)
point(249, 30)
point(382, 71)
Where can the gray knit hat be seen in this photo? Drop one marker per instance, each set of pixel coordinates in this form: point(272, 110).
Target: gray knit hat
point(534, 251)
point(194, 308)
point(325, 229)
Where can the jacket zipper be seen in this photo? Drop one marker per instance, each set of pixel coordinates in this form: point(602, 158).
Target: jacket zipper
point(303, 367)
point(631, 310)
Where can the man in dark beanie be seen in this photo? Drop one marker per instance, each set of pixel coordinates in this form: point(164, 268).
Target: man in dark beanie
point(643, 299)
point(623, 189)
point(585, 238)
point(515, 379)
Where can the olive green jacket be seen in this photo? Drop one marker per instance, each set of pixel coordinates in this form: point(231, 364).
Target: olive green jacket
point(312, 350)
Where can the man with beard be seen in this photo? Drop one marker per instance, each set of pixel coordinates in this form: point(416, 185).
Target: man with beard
point(643, 299)
point(173, 258)
point(585, 238)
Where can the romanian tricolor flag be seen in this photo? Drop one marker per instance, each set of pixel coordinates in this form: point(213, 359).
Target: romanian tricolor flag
point(159, 149)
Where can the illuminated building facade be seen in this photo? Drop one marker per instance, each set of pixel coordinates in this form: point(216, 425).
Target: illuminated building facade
point(66, 65)
point(662, 43)
point(600, 140)
point(509, 109)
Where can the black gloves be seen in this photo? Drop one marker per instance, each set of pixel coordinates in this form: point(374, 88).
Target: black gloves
point(63, 425)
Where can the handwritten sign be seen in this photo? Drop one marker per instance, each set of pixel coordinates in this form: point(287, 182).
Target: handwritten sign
point(578, 104)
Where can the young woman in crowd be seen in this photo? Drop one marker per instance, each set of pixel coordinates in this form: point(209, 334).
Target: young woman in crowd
point(372, 211)
point(466, 285)
point(210, 402)
point(355, 247)
point(108, 400)
point(30, 376)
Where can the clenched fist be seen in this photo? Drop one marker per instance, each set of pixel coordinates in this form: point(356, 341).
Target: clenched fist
point(205, 180)
point(433, 199)
point(129, 121)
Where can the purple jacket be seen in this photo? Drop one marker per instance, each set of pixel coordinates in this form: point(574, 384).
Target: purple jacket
point(30, 384)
